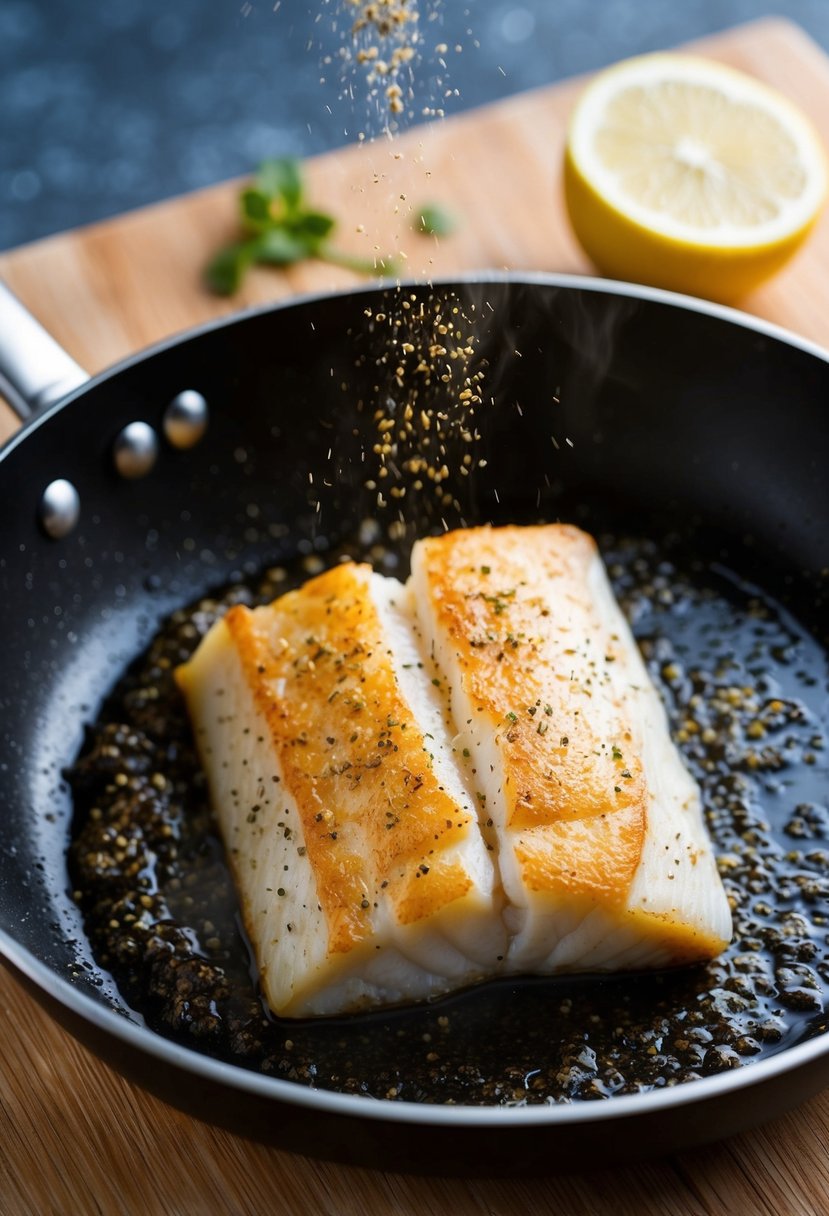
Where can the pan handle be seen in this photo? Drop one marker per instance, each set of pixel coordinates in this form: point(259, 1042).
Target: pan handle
point(34, 370)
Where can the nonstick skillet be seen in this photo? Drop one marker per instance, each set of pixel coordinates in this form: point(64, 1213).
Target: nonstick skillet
point(239, 445)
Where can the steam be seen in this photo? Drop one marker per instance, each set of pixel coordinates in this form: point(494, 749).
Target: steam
point(465, 403)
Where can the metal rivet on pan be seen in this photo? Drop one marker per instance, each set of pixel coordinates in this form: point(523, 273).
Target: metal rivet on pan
point(135, 450)
point(60, 508)
point(185, 419)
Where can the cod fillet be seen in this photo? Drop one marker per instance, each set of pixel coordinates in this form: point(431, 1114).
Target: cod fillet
point(602, 850)
point(361, 869)
point(424, 786)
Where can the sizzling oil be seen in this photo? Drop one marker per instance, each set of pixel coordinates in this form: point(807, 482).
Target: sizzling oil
point(746, 692)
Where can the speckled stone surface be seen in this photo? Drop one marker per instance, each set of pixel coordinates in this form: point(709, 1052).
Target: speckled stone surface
point(111, 104)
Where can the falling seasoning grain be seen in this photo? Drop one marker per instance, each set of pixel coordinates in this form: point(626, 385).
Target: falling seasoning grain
point(380, 46)
point(422, 427)
point(381, 42)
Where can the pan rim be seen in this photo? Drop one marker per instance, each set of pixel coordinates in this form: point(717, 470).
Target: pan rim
point(618, 287)
point(166, 1051)
point(427, 1114)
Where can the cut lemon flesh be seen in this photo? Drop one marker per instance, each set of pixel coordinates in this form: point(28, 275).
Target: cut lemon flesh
point(690, 175)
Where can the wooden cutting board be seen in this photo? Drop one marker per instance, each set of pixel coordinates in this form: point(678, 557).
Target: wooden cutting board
point(76, 1137)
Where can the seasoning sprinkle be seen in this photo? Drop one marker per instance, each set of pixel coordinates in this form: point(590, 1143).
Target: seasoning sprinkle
point(422, 433)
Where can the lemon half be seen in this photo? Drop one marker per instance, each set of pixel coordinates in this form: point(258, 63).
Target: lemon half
point(682, 173)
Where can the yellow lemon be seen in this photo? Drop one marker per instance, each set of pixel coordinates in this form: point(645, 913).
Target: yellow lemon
point(682, 173)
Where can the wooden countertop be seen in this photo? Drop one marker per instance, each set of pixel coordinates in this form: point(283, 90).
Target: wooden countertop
point(76, 1137)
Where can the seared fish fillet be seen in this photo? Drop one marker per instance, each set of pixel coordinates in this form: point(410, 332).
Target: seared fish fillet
point(601, 846)
point(421, 787)
point(362, 872)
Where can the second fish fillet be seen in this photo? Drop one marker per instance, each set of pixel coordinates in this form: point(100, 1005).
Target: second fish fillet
point(602, 850)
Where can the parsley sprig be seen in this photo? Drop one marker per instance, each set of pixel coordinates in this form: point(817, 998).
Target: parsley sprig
point(280, 229)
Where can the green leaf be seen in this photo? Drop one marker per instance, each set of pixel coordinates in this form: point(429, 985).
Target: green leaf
point(281, 179)
point(432, 220)
point(256, 209)
point(224, 274)
point(278, 247)
point(313, 224)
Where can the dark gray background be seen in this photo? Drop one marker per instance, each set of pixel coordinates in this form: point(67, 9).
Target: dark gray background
point(109, 104)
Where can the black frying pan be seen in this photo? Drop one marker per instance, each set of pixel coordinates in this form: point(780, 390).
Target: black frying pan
point(680, 415)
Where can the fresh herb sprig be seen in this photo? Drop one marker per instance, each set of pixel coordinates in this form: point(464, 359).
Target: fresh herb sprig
point(280, 229)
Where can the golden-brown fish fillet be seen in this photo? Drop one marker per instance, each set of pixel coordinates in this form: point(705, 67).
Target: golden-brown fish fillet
point(601, 847)
point(362, 872)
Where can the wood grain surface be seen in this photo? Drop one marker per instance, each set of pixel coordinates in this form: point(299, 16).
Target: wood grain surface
point(77, 1138)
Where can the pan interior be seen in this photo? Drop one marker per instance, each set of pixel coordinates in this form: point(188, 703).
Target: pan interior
point(743, 685)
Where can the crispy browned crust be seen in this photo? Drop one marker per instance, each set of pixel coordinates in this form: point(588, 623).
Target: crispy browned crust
point(577, 799)
point(374, 816)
